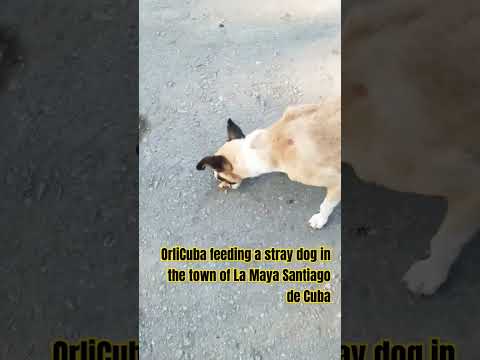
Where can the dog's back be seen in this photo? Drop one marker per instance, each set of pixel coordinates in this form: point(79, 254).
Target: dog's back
point(307, 139)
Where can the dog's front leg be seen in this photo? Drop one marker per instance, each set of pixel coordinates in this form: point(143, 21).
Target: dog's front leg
point(460, 224)
point(331, 200)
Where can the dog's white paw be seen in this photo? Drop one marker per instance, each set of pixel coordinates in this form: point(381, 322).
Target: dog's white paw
point(317, 221)
point(425, 277)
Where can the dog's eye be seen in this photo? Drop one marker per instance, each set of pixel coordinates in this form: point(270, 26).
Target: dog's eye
point(221, 178)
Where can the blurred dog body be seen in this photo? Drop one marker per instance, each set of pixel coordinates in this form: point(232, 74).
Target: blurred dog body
point(410, 81)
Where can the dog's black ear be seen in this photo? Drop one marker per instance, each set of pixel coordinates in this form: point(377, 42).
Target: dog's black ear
point(234, 131)
point(217, 162)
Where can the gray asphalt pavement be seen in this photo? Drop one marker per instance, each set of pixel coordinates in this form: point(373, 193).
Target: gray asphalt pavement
point(202, 62)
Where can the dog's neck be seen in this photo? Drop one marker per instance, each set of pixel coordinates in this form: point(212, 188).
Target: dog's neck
point(256, 154)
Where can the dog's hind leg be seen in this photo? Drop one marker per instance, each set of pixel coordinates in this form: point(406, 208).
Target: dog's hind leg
point(332, 199)
point(460, 225)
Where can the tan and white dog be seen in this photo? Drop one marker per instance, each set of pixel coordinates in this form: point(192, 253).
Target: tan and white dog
point(304, 144)
point(410, 81)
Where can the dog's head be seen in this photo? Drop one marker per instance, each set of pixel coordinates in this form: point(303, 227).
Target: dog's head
point(227, 161)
